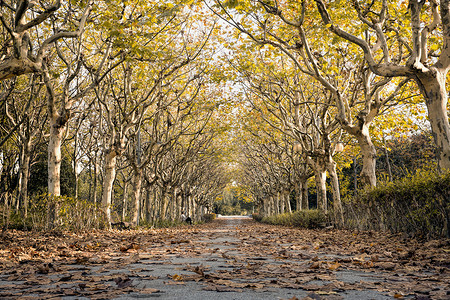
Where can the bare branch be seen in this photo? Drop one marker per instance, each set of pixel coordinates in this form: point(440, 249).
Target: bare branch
point(386, 69)
point(428, 29)
point(444, 59)
point(20, 13)
point(40, 18)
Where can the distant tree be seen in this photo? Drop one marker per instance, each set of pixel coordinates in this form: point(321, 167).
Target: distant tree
point(408, 154)
point(39, 173)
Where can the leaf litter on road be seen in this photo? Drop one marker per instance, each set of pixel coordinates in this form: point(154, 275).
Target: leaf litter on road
point(246, 256)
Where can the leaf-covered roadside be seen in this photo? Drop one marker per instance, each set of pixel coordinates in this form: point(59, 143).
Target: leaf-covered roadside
point(229, 257)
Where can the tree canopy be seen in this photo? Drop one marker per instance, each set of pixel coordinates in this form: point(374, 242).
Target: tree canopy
point(149, 109)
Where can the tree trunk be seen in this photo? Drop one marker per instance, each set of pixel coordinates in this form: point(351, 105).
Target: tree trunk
point(432, 86)
point(76, 180)
point(265, 207)
point(155, 203)
point(270, 206)
point(355, 177)
point(177, 199)
point(199, 211)
point(303, 183)
point(137, 184)
point(301, 193)
point(368, 150)
point(24, 177)
point(288, 202)
point(173, 204)
point(369, 155)
point(6, 210)
point(298, 197)
point(149, 207)
point(194, 208)
point(320, 178)
point(142, 204)
point(281, 203)
point(188, 204)
point(96, 177)
point(108, 182)
point(54, 158)
point(75, 163)
point(277, 204)
point(337, 205)
point(163, 205)
point(124, 200)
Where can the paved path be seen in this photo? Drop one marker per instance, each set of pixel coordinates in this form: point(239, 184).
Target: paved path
point(232, 258)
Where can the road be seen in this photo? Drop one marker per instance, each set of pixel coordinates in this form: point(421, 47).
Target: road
point(230, 258)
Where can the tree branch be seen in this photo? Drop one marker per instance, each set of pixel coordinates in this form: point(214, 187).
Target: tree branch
point(444, 59)
point(40, 18)
point(386, 69)
point(428, 29)
point(20, 13)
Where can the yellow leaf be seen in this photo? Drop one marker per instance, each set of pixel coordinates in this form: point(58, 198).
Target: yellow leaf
point(334, 266)
point(177, 277)
point(328, 25)
point(325, 293)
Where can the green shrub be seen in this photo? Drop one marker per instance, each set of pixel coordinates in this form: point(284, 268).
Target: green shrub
point(418, 205)
point(257, 217)
point(311, 218)
point(304, 219)
point(209, 217)
point(48, 212)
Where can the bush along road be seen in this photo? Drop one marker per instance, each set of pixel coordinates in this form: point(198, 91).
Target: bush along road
point(229, 258)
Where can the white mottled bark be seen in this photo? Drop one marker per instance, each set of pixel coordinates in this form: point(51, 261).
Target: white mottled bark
point(124, 200)
point(137, 185)
point(337, 204)
point(24, 176)
point(288, 202)
point(281, 203)
point(54, 157)
point(369, 155)
point(108, 182)
point(320, 178)
point(433, 88)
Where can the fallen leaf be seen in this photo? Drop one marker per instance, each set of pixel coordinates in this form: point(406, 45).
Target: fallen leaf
point(333, 266)
point(316, 265)
point(123, 282)
point(66, 277)
point(177, 277)
point(149, 291)
point(326, 293)
point(386, 265)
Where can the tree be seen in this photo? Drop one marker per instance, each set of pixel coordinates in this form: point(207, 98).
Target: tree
point(357, 93)
point(288, 104)
point(27, 128)
point(394, 54)
point(26, 37)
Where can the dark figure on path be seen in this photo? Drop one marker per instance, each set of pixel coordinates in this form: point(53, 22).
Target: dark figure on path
point(186, 219)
